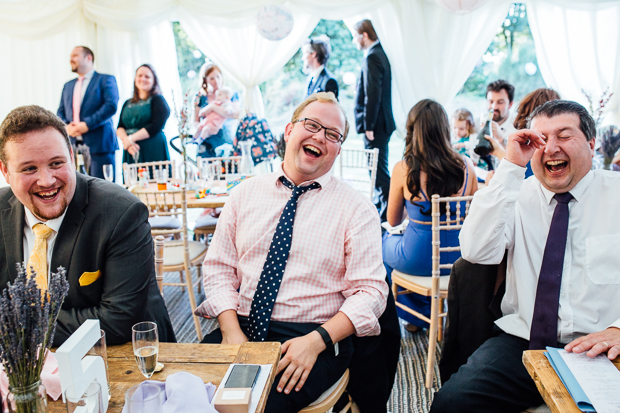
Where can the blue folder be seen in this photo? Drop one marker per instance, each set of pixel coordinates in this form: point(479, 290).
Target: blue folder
point(568, 379)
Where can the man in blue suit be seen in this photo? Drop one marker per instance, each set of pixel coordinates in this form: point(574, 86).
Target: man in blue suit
point(87, 106)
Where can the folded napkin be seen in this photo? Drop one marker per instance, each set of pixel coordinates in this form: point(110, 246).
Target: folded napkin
point(182, 392)
point(49, 377)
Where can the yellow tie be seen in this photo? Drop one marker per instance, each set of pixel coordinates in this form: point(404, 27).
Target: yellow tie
point(38, 257)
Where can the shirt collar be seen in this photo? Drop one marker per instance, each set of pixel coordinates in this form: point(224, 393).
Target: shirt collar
point(373, 44)
point(54, 224)
point(89, 75)
point(322, 180)
point(576, 192)
point(317, 72)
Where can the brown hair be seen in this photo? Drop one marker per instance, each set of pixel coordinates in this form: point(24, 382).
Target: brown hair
point(500, 84)
point(26, 119)
point(428, 149)
point(205, 71)
point(365, 26)
point(325, 97)
point(86, 51)
point(465, 114)
point(155, 90)
point(530, 102)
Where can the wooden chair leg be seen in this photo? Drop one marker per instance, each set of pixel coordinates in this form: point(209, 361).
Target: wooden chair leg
point(192, 302)
point(182, 280)
point(199, 277)
point(440, 322)
point(432, 342)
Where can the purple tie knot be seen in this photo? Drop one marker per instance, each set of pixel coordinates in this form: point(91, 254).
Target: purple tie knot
point(563, 198)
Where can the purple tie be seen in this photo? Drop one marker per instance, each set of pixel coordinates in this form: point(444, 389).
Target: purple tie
point(544, 330)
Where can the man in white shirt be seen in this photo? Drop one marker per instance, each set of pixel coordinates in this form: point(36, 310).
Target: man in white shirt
point(564, 199)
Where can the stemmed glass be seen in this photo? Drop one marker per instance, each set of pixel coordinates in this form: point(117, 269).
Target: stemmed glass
point(145, 341)
point(108, 172)
point(136, 154)
point(143, 398)
point(207, 174)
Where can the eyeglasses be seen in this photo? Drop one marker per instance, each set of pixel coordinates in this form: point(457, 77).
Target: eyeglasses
point(313, 126)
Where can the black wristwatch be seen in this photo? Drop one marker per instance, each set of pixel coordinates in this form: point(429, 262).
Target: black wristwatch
point(325, 335)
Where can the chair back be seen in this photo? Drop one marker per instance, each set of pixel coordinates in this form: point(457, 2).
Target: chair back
point(151, 167)
point(225, 165)
point(358, 168)
point(447, 214)
point(165, 204)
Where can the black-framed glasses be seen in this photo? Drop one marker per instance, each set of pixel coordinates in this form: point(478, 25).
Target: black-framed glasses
point(313, 126)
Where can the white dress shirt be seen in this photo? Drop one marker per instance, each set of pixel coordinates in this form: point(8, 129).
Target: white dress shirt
point(514, 214)
point(367, 50)
point(29, 237)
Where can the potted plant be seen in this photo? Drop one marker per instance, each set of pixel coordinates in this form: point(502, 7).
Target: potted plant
point(27, 325)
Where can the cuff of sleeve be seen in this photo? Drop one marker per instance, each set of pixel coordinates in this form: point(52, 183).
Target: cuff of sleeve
point(216, 305)
point(615, 324)
point(362, 316)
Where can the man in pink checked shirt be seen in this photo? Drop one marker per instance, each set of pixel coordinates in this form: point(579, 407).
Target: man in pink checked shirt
point(312, 286)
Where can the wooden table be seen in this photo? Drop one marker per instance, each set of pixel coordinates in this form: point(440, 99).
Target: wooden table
point(549, 384)
point(207, 361)
point(209, 201)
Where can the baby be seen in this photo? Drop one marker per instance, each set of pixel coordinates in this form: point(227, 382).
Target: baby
point(213, 122)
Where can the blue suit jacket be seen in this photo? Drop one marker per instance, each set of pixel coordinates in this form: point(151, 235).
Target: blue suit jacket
point(98, 107)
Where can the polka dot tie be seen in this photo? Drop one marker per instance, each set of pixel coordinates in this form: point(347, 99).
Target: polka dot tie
point(273, 270)
point(38, 256)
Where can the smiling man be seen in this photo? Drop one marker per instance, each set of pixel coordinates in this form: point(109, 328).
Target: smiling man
point(290, 262)
point(52, 216)
point(562, 234)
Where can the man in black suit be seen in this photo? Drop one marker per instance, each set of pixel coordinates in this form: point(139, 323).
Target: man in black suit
point(87, 106)
point(97, 230)
point(315, 54)
point(373, 106)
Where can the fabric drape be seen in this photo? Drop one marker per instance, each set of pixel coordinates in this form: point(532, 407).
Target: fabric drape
point(577, 47)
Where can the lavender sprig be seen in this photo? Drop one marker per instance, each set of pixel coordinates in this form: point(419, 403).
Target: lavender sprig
point(597, 112)
point(27, 324)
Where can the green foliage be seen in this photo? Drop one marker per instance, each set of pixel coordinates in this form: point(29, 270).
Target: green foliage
point(186, 60)
point(510, 50)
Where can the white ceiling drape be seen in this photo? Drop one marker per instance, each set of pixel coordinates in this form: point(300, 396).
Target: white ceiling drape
point(578, 47)
point(431, 50)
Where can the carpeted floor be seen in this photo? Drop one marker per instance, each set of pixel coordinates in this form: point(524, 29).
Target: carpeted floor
point(409, 394)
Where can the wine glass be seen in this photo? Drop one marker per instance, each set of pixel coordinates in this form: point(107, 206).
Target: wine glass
point(143, 398)
point(207, 173)
point(145, 346)
point(108, 172)
point(91, 399)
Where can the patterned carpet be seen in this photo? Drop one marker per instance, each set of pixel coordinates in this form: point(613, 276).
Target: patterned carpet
point(409, 394)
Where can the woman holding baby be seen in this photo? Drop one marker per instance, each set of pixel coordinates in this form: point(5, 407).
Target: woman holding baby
point(217, 107)
point(142, 120)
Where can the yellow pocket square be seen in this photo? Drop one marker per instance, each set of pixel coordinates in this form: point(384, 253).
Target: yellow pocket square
point(89, 277)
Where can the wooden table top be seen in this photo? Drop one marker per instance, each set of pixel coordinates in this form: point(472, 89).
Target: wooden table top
point(209, 201)
point(549, 384)
point(207, 361)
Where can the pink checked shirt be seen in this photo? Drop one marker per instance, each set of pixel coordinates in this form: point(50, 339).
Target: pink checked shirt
point(335, 262)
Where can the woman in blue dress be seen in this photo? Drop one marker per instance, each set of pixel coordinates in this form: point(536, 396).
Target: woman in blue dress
point(429, 166)
point(211, 80)
point(142, 120)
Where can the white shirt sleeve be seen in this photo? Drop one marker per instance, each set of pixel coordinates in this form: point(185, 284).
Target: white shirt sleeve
point(489, 228)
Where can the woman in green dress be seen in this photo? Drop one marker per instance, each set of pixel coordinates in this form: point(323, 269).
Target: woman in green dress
point(142, 120)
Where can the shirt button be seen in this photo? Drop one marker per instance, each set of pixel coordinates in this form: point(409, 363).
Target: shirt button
point(566, 324)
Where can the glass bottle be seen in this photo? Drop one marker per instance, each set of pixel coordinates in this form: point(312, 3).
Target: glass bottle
point(246, 165)
point(28, 399)
point(484, 146)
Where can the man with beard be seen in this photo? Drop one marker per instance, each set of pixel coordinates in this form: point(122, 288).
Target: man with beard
point(52, 216)
point(87, 106)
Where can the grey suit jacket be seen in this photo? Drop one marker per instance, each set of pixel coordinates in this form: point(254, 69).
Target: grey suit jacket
point(105, 229)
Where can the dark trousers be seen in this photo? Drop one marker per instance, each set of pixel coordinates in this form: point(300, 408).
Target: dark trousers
point(475, 293)
point(382, 184)
point(374, 364)
point(97, 160)
point(327, 370)
point(493, 380)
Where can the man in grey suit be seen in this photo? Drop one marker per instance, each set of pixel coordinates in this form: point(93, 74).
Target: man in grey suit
point(97, 230)
point(373, 107)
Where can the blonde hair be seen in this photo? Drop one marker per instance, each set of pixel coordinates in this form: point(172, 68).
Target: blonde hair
point(464, 114)
point(324, 97)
